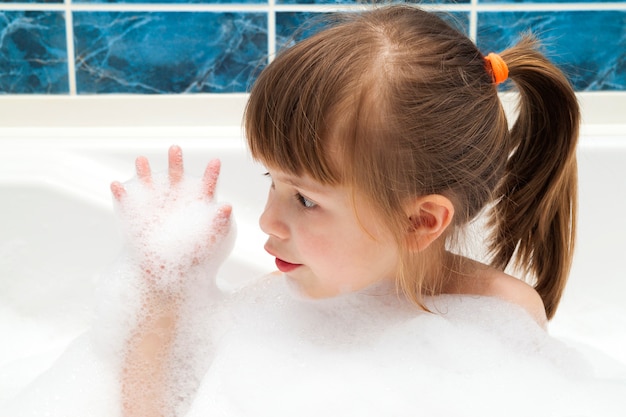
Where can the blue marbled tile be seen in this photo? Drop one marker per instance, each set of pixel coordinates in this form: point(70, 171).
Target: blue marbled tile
point(292, 27)
point(31, 1)
point(590, 46)
point(168, 52)
point(549, 1)
point(370, 1)
point(173, 1)
point(317, 2)
point(33, 53)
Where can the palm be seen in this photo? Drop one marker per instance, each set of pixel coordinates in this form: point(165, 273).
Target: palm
point(171, 221)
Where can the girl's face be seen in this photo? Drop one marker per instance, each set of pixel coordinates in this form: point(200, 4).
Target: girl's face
point(323, 243)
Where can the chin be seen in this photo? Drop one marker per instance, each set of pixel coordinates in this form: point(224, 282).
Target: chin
point(306, 293)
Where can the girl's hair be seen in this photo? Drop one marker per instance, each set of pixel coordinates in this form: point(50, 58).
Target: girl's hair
point(395, 103)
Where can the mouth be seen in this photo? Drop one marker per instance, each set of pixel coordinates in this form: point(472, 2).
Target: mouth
point(284, 266)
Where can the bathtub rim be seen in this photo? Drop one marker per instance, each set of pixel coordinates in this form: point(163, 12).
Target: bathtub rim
point(603, 113)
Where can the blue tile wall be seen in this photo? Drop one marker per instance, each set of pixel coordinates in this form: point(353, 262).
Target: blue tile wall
point(589, 46)
point(31, 1)
point(167, 52)
point(292, 27)
point(218, 46)
point(330, 2)
point(552, 1)
point(173, 1)
point(33, 55)
point(295, 26)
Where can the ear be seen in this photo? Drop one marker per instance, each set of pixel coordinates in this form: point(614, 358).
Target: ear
point(429, 217)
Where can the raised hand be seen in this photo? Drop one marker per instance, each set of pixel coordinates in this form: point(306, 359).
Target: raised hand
point(172, 224)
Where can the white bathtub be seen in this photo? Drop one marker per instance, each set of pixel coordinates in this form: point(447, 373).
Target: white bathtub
point(57, 232)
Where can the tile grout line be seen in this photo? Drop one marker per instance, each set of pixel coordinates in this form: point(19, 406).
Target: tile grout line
point(473, 21)
point(271, 30)
point(69, 44)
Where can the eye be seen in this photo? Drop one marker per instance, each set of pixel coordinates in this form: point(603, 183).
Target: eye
point(267, 175)
point(305, 202)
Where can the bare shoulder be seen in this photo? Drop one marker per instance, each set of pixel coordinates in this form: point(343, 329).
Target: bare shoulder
point(484, 280)
point(518, 292)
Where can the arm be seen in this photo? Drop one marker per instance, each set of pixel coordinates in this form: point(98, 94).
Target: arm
point(144, 373)
point(162, 215)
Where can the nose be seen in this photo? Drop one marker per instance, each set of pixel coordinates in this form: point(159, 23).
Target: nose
point(272, 221)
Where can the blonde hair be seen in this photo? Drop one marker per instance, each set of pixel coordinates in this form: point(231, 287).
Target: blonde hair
point(409, 105)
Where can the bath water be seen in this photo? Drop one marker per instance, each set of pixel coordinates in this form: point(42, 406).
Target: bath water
point(262, 350)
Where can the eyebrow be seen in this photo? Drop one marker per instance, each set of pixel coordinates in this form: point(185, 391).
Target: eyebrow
point(310, 186)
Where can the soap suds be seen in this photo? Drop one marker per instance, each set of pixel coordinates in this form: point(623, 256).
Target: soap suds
point(262, 351)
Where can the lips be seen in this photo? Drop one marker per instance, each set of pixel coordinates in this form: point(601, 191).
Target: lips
point(284, 266)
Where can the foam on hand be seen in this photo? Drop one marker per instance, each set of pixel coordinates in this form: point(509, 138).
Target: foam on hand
point(172, 227)
point(263, 351)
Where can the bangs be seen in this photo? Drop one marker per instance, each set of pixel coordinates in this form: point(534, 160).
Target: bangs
point(296, 104)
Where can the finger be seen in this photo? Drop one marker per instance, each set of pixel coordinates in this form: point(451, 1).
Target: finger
point(209, 180)
point(175, 160)
point(142, 166)
point(225, 212)
point(221, 222)
point(118, 190)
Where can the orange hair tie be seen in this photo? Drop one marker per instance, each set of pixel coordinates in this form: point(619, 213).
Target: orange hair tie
point(497, 67)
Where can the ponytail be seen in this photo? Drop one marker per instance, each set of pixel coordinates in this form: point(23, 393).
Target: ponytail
point(534, 219)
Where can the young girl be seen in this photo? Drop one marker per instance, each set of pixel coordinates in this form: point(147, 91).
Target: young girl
point(389, 125)
point(384, 137)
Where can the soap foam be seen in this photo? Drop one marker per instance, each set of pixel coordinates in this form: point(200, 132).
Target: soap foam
point(363, 355)
point(176, 241)
point(263, 351)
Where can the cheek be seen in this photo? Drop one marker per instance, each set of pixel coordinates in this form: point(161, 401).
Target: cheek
point(315, 245)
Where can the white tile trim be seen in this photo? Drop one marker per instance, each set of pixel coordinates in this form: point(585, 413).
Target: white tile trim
point(604, 113)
